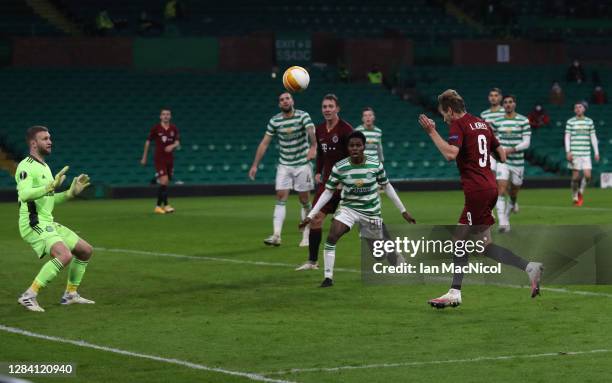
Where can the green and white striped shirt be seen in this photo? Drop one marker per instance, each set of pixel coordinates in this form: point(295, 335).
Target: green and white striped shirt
point(580, 130)
point(489, 116)
point(359, 184)
point(292, 136)
point(373, 141)
point(510, 132)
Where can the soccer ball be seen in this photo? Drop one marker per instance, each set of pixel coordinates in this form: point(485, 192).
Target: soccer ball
point(296, 79)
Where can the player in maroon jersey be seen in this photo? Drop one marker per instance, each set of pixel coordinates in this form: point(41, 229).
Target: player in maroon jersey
point(166, 137)
point(332, 139)
point(470, 142)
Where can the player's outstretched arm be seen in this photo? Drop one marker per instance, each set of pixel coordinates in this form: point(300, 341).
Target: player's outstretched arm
point(595, 144)
point(261, 150)
point(325, 197)
point(449, 151)
point(392, 194)
point(523, 145)
point(143, 160)
point(501, 154)
point(27, 192)
point(312, 151)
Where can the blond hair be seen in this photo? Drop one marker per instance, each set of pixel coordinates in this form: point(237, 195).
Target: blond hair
point(451, 99)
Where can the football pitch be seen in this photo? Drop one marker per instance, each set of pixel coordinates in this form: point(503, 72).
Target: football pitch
point(196, 296)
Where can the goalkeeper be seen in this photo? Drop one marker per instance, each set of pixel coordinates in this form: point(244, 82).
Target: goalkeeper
point(36, 191)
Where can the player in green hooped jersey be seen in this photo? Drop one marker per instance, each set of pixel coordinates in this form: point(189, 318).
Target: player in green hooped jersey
point(579, 136)
point(494, 112)
point(359, 176)
point(514, 134)
point(37, 197)
point(372, 133)
point(297, 147)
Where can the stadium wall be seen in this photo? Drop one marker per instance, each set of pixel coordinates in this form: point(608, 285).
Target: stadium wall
point(150, 191)
point(519, 52)
point(72, 52)
point(172, 53)
point(361, 55)
point(251, 53)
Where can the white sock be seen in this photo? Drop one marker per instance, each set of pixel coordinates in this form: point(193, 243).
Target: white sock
point(279, 217)
point(501, 211)
point(329, 257)
point(575, 187)
point(583, 184)
point(303, 213)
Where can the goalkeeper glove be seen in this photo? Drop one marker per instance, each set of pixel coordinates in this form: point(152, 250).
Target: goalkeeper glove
point(78, 185)
point(58, 180)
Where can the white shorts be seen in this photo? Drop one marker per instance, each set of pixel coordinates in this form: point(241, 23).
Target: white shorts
point(493, 163)
point(514, 174)
point(298, 178)
point(580, 163)
point(369, 227)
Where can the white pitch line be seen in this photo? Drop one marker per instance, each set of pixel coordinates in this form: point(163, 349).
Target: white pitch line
point(82, 343)
point(278, 264)
point(207, 258)
point(574, 208)
point(435, 362)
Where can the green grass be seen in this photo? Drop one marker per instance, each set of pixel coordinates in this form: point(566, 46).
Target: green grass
point(266, 318)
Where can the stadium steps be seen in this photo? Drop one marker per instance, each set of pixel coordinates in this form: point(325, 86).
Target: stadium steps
point(462, 17)
point(7, 164)
point(49, 12)
point(222, 117)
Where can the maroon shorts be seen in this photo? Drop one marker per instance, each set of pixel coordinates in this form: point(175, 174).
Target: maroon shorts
point(164, 167)
point(332, 205)
point(478, 208)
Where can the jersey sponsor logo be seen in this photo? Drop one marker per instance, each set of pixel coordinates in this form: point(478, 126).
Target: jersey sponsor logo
point(164, 139)
point(23, 175)
point(453, 138)
point(361, 190)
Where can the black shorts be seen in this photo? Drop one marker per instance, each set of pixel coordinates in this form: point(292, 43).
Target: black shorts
point(332, 205)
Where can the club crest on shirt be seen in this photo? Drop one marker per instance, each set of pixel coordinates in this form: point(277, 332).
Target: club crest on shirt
point(359, 183)
point(335, 139)
point(49, 228)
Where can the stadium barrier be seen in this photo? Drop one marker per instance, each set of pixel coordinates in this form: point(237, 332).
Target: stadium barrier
point(150, 191)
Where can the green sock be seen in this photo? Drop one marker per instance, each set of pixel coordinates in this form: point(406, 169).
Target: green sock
point(75, 274)
point(48, 272)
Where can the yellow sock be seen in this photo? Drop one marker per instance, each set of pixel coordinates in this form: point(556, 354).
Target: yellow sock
point(71, 288)
point(35, 287)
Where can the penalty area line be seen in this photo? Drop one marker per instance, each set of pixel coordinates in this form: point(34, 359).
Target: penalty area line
point(286, 265)
point(436, 362)
point(184, 363)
